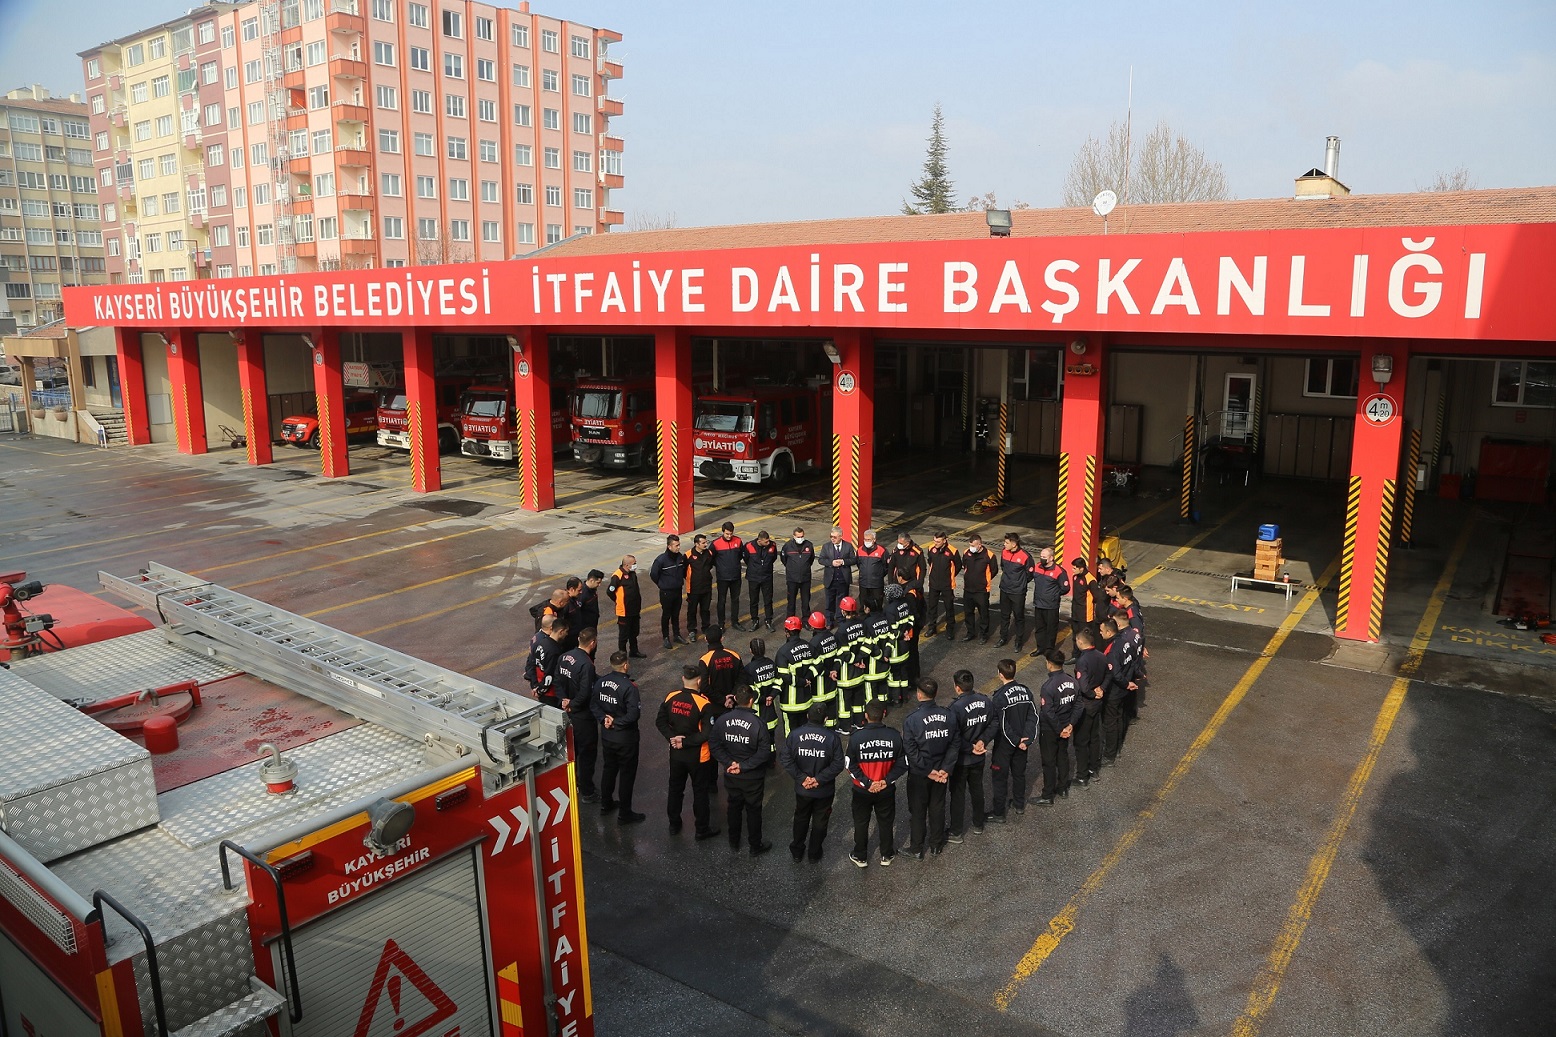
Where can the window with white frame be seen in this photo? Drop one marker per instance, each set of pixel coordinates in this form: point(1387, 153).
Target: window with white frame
point(581, 86)
point(152, 242)
point(164, 125)
point(256, 112)
point(484, 28)
point(459, 230)
point(453, 66)
point(161, 86)
point(422, 144)
point(550, 80)
point(135, 55)
point(318, 53)
point(261, 194)
point(610, 162)
point(1332, 377)
point(453, 25)
point(221, 235)
point(426, 187)
point(324, 185)
point(427, 229)
point(521, 76)
point(213, 115)
point(579, 46)
point(386, 97)
point(491, 231)
point(416, 14)
point(553, 158)
point(458, 189)
point(487, 150)
point(383, 10)
point(421, 101)
point(253, 71)
point(297, 143)
point(522, 155)
point(99, 104)
point(157, 48)
point(259, 154)
point(521, 36)
point(582, 160)
point(489, 191)
point(457, 148)
point(240, 197)
point(553, 194)
point(206, 31)
point(210, 72)
point(525, 233)
point(94, 69)
point(454, 106)
point(582, 229)
point(550, 42)
point(486, 70)
point(583, 122)
point(145, 168)
point(250, 27)
point(521, 115)
point(243, 236)
point(389, 141)
point(553, 233)
point(583, 198)
point(143, 130)
point(321, 142)
point(101, 143)
point(389, 185)
point(421, 59)
point(265, 234)
point(383, 53)
point(1524, 383)
point(394, 227)
point(167, 164)
point(326, 228)
point(218, 196)
point(550, 119)
point(318, 97)
point(216, 155)
point(224, 270)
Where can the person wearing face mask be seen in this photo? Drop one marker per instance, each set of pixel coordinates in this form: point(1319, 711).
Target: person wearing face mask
point(760, 555)
point(941, 562)
point(1015, 573)
point(1049, 583)
point(727, 549)
point(669, 574)
point(906, 560)
point(622, 588)
point(837, 558)
point(799, 556)
point(872, 558)
point(978, 571)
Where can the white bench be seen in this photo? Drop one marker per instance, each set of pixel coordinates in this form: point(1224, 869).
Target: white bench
point(1289, 586)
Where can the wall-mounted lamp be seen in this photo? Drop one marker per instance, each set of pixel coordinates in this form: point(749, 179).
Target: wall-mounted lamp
point(516, 344)
point(307, 340)
point(1078, 347)
point(1382, 368)
point(163, 337)
point(237, 337)
point(998, 221)
point(830, 349)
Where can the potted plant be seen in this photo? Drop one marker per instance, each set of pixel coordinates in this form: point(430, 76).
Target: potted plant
point(60, 413)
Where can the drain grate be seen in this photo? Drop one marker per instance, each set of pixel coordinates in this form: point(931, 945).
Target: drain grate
point(1197, 572)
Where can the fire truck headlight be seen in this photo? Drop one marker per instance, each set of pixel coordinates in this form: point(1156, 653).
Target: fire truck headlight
point(388, 821)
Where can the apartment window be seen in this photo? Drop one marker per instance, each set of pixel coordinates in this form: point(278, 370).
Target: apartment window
point(318, 53)
point(459, 230)
point(454, 106)
point(256, 112)
point(34, 181)
point(228, 40)
point(525, 233)
point(582, 229)
point(213, 115)
point(23, 123)
point(94, 69)
point(161, 86)
point(1524, 383)
point(521, 76)
point(167, 165)
point(297, 143)
point(387, 97)
point(457, 149)
point(230, 77)
point(261, 194)
point(101, 143)
point(243, 236)
point(42, 263)
point(326, 229)
point(324, 185)
point(491, 231)
point(580, 85)
point(219, 196)
point(610, 162)
point(78, 156)
point(488, 150)
point(522, 155)
point(259, 154)
point(383, 53)
point(553, 158)
point(28, 152)
point(221, 235)
point(579, 46)
point(250, 28)
point(485, 70)
point(453, 26)
point(553, 194)
point(453, 66)
point(237, 158)
point(1331, 376)
point(389, 141)
point(550, 118)
point(34, 207)
point(216, 155)
point(550, 80)
point(553, 233)
point(583, 123)
point(489, 191)
point(224, 270)
point(426, 187)
point(318, 97)
point(550, 42)
point(394, 227)
point(82, 185)
point(157, 48)
point(421, 101)
point(151, 242)
point(253, 71)
point(423, 144)
point(206, 32)
point(210, 72)
point(486, 110)
point(86, 212)
point(99, 105)
point(265, 234)
point(458, 189)
point(383, 10)
point(427, 229)
point(136, 55)
point(138, 92)
point(321, 142)
point(145, 168)
point(416, 14)
point(521, 115)
point(240, 198)
point(421, 59)
point(581, 161)
point(175, 240)
point(313, 10)
point(389, 185)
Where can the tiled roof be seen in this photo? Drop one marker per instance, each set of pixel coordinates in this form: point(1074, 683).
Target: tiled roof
point(62, 105)
point(1426, 208)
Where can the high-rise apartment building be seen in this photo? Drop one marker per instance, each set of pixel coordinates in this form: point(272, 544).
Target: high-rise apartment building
point(50, 234)
point(293, 135)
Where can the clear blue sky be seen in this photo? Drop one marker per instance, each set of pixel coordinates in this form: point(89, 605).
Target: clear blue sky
point(746, 112)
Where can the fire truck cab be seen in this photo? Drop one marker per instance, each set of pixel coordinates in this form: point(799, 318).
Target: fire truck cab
point(769, 432)
point(487, 426)
point(394, 423)
point(613, 423)
point(302, 430)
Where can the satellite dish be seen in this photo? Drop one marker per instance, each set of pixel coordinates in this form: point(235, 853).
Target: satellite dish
point(1104, 202)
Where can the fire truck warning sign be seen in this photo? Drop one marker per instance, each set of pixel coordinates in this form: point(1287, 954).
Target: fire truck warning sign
point(403, 996)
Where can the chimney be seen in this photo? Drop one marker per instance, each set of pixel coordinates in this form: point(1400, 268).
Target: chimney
point(1324, 183)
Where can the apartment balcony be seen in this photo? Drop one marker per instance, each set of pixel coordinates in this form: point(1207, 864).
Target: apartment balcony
point(358, 247)
point(119, 117)
point(193, 140)
point(614, 181)
point(295, 78)
point(610, 69)
point(612, 218)
point(302, 203)
point(609, 106)
point(609, 143)
point(197, 220)
point(201, 257)
point(354, 201)
point(292, 34)
point(347, 68)
point(127, 190)
point(345, 22)
point(116, 81)
point(344, 111)
point(306, 250)
point(352, 155)
point(300, 165)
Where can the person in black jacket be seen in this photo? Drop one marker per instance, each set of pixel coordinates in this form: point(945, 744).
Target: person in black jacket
point(1058, 704)
point(1088, 601)
point(760, 554)
point(876, 761)
point(941, 564)
point(872, 558)
point(699, 585)
point(798, 555)
point(1091, 676)
point(1015, 729)
point(617, 706)
point(686, 720)
point(1119, 654)
point(813, 756)
point(1015, 573)
point(668, 573)
point(727, 550)
point(1049, 583)
point(589, 600)
point(544, 653)
point(722, 672)
point(739, 743)
point(970, 710)
point(907, 560)
point(979, 569)
point(838, 558)
point(933, 746)
point(575, 686)
point(623, 590)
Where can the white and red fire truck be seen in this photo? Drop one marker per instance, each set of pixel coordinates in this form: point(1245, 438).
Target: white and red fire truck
point(613, 422)
point(768, 432)
point(245, 822)
point(487, 427)
point(394, 422)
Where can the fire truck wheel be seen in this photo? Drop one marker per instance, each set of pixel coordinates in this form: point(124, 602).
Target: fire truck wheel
point(448, 441)
point(313, 440)
point(783, 467)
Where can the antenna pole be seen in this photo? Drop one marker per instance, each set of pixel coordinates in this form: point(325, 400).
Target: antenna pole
point(1129, 131)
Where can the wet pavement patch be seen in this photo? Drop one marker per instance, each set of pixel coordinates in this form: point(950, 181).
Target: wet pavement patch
point(456, 508)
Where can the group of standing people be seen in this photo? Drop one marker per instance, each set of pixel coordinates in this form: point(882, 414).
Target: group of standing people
point(817, 708)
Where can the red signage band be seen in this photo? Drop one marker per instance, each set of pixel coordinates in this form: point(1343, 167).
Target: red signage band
point(1457, 282)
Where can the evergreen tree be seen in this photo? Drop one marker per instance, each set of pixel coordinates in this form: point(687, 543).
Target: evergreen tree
point(934, 191)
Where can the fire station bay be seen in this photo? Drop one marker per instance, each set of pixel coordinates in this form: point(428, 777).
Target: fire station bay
point(1350, 338)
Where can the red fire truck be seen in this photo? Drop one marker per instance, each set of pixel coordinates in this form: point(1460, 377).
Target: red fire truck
point(768, 432)
point(394, 423)
point(613, 423)
point(296, 832)
point(486, 422)
point(302, 430)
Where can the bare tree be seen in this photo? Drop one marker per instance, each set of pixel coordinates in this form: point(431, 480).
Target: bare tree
point(987, 201)
point(1456, 179)
point(1165, 168)
point(438, 250)
point(653, 221)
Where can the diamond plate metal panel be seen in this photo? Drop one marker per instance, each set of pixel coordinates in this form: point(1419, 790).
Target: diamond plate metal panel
point(203, 971)
point(134, 662)
point(243, 1017)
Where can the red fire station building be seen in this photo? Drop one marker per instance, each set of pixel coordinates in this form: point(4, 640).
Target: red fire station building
point(1373, 314)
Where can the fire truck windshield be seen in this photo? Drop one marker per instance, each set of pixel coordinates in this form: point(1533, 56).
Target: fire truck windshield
point(485, 405)
point(394, 401)
point(597, 403)
point(713, 416)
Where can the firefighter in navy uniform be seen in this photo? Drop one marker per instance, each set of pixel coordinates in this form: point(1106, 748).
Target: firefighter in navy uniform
point(797, 674)
point(727, 550)
point(722, 672)
point(974, 724)
point(1088, 601)
point(1014, 713)
point(617, 706)
point(1049, 583)
point(876, 761)
point(813, 756)
point(1134, 617)
point(1123, 667)
point(589, 600)
point(979, 569)
point(668, 573)
point(686, 719)
point(853, 665)
point(1058, 705)
point(880, 636)
point(622, 589)
point(932, 745)
point(799, 557)
point(1015, 573)
point(575, 686)
point(544, 654)
point(1091, 674)
point(761, 676)
point(760, 556)
point(900, 612)
point(744, 754)
point(699, 586)
point(871, 559)
point(825, 649)
point(942, 562)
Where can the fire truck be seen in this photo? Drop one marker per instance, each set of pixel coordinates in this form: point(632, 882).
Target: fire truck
point(613, 423)
point(486, 422)
point(302, 430)
point(766, 432)
point(394, 422)
point(242, 821)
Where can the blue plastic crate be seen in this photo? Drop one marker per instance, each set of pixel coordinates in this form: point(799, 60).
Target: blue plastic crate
point(1269, 531)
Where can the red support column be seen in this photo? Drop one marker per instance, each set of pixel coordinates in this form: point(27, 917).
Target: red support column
point(1369, 509)
point(532, 413)
point(132, 385)
point(421, 392)
point(256, 398)
point(853, 432)
point(1081, 437)
point(183, 368)
point(329, 393)
point(673, 406)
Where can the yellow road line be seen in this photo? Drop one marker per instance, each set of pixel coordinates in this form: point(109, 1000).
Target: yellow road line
point(1262, 996)
point(1162, 566)
point(356, 558)
point(310, 547)
point(1063, 923)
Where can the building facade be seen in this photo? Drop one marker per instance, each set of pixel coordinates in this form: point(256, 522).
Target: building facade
point(50, 230)
point(289, 136)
